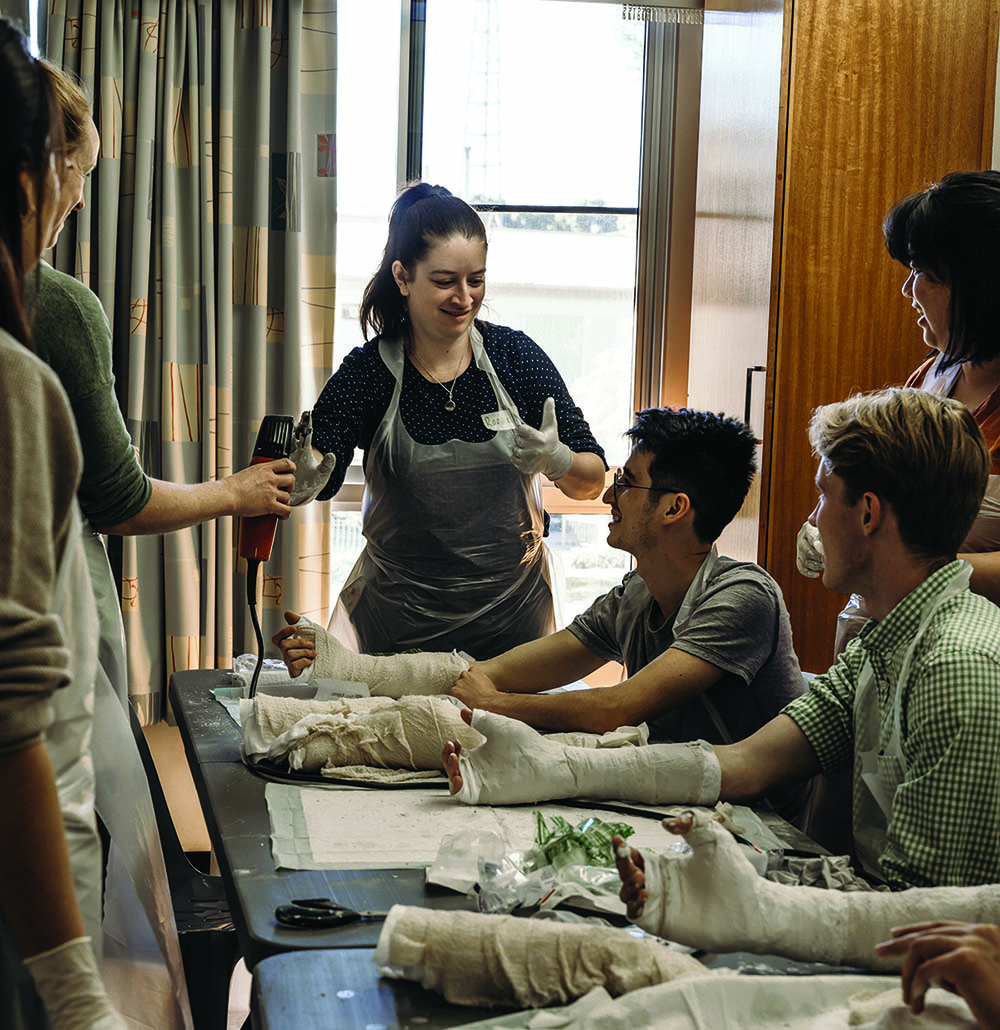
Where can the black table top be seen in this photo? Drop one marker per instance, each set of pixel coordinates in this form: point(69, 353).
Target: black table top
point(232, 798)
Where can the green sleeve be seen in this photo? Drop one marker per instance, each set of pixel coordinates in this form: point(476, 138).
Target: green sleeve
point(71, 334)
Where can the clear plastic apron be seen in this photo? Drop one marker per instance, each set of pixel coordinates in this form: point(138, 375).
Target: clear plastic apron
point(882, 770)
point(454, 557)
point(143, 968)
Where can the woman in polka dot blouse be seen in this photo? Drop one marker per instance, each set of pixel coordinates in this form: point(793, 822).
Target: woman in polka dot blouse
point(457, 419)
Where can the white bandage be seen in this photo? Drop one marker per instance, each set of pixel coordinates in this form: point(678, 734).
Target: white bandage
point(517, 764)
point(70, 986)
point(396, 675)
point(712, 898)
point(475, 959)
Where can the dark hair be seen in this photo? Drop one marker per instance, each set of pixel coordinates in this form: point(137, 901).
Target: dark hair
point(421, 215)
point(952, 231)
point(709, 457)
point(922, 453)
point(29, 131)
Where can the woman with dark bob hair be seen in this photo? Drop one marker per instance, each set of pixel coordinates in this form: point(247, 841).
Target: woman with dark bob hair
point(948, 238)
point(47, 629)
point(457, 418)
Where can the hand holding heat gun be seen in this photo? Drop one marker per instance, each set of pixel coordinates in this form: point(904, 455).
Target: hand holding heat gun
point(274, 441)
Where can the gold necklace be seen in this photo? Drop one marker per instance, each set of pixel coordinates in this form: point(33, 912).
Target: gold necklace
point(449, 404)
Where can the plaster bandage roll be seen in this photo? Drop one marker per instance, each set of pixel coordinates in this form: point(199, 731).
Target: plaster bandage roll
point(378, 732)
point(712, 898)
point(476, 959)
point(516, 764)
point(395, 675)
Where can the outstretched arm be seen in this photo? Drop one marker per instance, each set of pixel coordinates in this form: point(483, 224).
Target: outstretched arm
point(261, 489)
point(712, 898)
point(502, 686)
point(585, 479)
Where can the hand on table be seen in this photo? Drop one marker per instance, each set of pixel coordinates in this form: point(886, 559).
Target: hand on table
point(540, 450)
point(963, 958)
point(311, 475)
point(297, 653)
point(263, 489)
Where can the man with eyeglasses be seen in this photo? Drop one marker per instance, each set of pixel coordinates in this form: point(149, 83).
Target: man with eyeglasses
point(705, 639)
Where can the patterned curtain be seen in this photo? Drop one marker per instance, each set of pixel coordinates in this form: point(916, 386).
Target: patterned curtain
point(208, 234)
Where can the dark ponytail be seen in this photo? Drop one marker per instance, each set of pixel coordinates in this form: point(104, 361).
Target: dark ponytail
point(30, 130)
point(421, 215)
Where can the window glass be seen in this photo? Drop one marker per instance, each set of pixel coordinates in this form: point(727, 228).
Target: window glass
point(535, 103)
point(367, 139)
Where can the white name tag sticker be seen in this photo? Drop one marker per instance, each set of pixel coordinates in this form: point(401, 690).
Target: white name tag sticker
point(497, 420)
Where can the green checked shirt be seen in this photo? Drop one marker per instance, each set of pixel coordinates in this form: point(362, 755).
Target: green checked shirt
point(945, 824)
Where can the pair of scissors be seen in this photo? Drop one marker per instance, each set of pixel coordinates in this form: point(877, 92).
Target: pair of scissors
point(320, 914)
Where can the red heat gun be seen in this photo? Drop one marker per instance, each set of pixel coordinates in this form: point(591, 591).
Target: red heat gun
point(274, 440)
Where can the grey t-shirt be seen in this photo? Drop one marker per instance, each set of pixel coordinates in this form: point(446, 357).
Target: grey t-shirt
point(738, 623)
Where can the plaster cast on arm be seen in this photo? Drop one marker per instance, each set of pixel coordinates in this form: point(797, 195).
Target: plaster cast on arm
point(712, 898)
point(377, 732)
point(395, 675)
point(476, 959)
point(516, 764)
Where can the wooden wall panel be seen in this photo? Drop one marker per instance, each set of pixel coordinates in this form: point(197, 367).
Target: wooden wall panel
point(883, 98)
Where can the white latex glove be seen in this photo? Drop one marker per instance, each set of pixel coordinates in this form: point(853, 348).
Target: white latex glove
point(70, 986)
point(539, 450)
point(808, 551)
point(310, 476)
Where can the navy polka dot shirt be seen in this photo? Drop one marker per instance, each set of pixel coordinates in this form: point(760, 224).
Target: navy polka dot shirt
point(354, 400)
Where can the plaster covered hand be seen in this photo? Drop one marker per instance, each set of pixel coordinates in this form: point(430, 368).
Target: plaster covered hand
point(310, 476)
point(809, 551)
point(70, 986)
point(540, 450)
point(305, 644)
point(516, 764)
point(712, 898)
point(963, 958)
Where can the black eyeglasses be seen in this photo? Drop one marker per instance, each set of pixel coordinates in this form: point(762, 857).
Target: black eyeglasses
point(617, 483)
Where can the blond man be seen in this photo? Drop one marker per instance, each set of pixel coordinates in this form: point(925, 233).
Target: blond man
point(912, 706)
